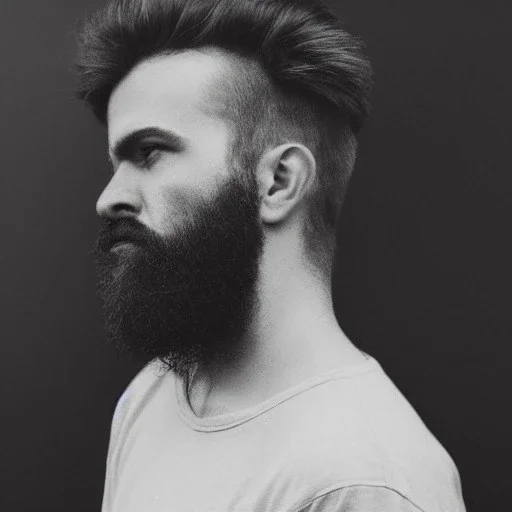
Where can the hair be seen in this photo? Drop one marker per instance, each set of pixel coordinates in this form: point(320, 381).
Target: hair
point(297, 76)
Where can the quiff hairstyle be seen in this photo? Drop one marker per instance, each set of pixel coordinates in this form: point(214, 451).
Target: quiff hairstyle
point(296, 76)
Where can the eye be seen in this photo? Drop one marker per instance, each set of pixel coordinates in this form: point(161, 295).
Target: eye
point(147, 155)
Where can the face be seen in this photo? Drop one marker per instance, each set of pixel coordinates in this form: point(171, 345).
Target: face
point(157, 174)
point(179, 254)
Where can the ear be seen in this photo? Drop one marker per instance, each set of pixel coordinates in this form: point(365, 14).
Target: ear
point(286, 174)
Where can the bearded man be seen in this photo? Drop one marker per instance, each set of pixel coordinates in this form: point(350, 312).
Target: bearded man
point(231, 127)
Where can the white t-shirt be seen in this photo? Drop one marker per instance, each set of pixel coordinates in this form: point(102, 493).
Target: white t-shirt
point(345, 441)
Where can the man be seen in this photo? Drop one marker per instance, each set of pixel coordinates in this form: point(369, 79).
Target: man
point(231, 127)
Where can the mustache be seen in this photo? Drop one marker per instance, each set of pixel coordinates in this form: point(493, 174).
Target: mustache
point(123, 230)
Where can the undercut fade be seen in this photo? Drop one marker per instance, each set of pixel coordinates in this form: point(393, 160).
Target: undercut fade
point(297, 76)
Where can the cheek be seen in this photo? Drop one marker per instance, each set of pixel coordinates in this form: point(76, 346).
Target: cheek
point(197, 167)
point(170, 207)
point(176, 186)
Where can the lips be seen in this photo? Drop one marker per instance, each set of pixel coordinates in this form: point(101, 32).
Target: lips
point(112, 240)
point(118, 240)
point(120, 244)
point(122, 233)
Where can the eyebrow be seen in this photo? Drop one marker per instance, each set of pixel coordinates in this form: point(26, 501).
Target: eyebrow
point(126, 146)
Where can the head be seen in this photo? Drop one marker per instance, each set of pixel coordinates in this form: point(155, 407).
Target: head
point(229, 121)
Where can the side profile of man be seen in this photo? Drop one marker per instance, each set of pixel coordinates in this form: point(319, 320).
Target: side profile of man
point(231, 127)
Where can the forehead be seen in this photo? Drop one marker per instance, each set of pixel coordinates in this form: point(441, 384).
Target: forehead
point(175, 92)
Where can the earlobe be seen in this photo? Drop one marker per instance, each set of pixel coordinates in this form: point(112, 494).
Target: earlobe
point(287, 173)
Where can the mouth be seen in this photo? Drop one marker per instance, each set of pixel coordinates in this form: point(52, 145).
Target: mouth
point(120, 237)
point(121, 245)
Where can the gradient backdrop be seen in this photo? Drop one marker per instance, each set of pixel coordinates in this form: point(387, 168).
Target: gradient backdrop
point(423, 277)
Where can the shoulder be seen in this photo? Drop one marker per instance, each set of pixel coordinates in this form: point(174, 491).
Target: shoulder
point(135, 395)
point(361, 431)
point(126, 412)
point(142, 382)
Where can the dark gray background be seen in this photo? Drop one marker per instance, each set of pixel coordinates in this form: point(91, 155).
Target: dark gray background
point(423, 277)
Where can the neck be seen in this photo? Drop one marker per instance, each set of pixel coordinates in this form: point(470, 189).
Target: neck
point(293, 336)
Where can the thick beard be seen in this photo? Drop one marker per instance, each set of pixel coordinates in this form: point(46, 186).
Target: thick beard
point(187, 298)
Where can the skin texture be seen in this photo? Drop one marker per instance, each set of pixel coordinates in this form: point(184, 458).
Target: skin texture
point(292, 335)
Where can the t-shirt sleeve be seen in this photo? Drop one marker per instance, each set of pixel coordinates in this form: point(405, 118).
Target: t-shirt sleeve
point(362, 498)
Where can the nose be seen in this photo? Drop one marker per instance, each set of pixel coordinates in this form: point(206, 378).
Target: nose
point(120, 198)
